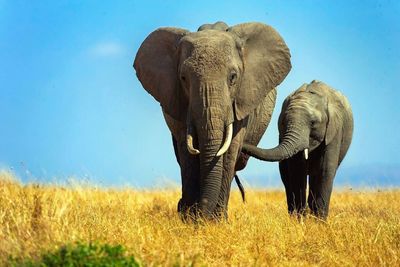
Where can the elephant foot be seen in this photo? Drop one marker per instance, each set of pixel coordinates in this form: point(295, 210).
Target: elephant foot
point(193, 213)
point(298, 214)
point(321, 214)
point(319, 207)
point(187, 212)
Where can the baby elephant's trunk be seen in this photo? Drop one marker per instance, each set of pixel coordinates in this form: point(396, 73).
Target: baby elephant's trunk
point(294, 140)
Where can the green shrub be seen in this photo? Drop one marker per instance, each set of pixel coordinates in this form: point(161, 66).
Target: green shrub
point(85, 255)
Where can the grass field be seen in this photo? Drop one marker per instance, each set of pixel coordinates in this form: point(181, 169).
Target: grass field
point(363, 227)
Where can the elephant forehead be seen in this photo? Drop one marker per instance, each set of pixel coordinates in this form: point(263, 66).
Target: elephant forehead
point(301, 101)
point(306, 104)
point(209, 53)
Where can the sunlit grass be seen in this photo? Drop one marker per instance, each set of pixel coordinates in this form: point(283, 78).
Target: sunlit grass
point(363, 227)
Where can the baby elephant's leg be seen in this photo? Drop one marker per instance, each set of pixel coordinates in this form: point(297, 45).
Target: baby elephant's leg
point(321, 181)
point(294, 177)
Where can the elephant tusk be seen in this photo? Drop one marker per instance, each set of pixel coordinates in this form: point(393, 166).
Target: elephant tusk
point(189, 142)
point(227, 141)
point(306, 153)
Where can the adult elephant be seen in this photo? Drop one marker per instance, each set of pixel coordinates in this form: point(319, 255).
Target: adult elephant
point(315, 132)
point(216, 88)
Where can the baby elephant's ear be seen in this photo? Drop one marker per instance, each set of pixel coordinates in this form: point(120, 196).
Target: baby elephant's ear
point(157, 69)
point(266, 63)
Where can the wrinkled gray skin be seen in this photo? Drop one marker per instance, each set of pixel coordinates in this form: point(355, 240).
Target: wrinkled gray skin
point(318, 118)
point(219, 25)
point(205, 81)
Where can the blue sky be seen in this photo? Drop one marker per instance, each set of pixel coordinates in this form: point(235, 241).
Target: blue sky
point(71, 105)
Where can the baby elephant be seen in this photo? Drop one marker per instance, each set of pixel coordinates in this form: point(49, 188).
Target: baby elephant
point(315, 132)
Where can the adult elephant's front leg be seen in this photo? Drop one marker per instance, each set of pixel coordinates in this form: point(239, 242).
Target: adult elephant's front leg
point(228, 172)
point(189, 166)
point(190, 176)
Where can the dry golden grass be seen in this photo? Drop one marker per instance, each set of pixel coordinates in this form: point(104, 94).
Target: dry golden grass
point(363, 228)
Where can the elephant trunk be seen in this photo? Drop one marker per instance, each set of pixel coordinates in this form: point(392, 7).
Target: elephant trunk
point(211, 167)
point(221, 151)
point(294, 140)
point(211, 119)
point(214, 133)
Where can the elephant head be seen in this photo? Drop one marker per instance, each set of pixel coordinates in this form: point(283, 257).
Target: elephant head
point(310, 116)
point(209, 80)
point(219, 25)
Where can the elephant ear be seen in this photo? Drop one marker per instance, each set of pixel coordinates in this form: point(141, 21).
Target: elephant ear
point(156, 68)
point(334, 122)
point(266, 62)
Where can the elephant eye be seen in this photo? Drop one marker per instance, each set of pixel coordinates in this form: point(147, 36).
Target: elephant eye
point(232, 78)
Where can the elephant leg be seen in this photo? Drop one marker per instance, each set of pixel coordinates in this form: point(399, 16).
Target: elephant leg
point(230, 160)
point(221, 211)
point(190, 176)
point(284, 171)
point(175, 144)
point(189, 166)
point(321, 180)
point(294, 176)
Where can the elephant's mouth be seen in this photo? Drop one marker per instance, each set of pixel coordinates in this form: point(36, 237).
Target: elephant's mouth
point(221, 151)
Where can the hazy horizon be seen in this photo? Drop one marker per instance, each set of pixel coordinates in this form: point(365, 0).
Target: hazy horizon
point(71, 105)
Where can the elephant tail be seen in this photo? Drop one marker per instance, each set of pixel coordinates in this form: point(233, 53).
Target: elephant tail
point(241, 188)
